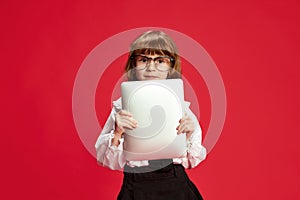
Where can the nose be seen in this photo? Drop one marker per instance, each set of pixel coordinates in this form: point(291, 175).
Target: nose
point(150, 65)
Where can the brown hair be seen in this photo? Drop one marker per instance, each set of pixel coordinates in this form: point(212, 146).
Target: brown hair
point(154, 42)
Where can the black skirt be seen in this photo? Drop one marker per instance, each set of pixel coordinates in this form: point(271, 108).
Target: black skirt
point(170, 182)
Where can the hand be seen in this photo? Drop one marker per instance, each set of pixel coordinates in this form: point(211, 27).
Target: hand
point(186, 126)
point(124, 120)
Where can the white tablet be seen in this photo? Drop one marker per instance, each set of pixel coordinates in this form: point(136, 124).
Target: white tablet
point(157, 105)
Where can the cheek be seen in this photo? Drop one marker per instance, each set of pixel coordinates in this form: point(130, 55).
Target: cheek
point(164, 75)
point(139, 75)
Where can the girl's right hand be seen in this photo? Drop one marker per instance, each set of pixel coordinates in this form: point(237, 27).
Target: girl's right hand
point(124, 121)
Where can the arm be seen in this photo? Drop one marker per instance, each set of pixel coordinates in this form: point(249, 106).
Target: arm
point(108, 153)
point(109, 145)
point(195, 151)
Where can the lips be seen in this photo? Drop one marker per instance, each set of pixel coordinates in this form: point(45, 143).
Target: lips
point(151, 77)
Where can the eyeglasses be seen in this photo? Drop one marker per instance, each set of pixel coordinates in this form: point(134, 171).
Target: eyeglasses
point(162, 63)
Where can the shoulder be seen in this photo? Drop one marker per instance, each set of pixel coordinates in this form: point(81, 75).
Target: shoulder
point(117, 104)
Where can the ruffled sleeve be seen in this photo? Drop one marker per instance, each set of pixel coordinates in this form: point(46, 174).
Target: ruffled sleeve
point(195, 151)
point(108, 155)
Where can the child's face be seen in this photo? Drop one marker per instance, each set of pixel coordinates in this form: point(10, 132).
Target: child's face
point(151, 71)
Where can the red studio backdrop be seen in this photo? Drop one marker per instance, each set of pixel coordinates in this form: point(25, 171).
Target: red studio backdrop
point(255, 45)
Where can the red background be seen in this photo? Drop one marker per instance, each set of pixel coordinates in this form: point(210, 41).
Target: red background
point(254, 44)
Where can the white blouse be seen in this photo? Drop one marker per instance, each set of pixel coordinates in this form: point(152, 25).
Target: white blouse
point(113, 156)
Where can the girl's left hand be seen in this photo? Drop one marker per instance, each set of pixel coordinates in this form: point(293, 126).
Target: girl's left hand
point(186, 126)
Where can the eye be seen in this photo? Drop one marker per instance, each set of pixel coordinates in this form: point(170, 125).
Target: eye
point(162, 60)
point(144, 60)
point(141, 59)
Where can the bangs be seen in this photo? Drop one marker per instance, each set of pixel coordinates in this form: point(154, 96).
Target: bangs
point(151, 51)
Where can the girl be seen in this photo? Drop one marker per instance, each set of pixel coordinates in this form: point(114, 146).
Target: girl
point(153, 55)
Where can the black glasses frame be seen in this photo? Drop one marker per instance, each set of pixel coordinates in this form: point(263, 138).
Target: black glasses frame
point(172, 60)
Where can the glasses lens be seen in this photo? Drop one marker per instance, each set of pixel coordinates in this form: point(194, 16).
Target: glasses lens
point(140, 61)
point(162, 63)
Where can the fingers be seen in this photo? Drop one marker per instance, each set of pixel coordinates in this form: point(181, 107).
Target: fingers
point(124, 113)
point(124, 121)
point(186, 125)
